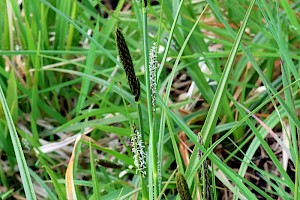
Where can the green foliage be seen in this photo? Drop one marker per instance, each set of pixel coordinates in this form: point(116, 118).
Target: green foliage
point(226, 70)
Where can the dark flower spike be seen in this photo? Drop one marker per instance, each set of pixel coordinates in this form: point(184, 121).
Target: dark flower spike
point(127, 64)
point(108, 164)
point(182, 187)
point(204, 174)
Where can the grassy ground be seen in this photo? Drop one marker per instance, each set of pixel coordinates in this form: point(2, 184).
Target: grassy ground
point(223, 124)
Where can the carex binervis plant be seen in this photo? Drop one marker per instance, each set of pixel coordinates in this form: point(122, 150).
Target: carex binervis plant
point(137, 143)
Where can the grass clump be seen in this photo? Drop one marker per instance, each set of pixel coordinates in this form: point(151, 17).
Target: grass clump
point(226, 72)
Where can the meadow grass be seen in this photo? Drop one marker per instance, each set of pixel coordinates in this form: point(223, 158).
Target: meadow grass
point(213, 110)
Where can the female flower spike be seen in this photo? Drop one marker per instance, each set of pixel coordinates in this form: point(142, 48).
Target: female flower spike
point(182, 187)
point(139, 155)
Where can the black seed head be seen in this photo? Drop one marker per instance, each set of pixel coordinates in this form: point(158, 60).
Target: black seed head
point(182, 187)
point(108, 164)
point(127, 64)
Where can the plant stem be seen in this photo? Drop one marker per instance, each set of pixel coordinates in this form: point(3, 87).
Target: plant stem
point(152, 169)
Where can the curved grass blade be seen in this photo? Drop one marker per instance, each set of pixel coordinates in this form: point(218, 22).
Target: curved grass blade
point(23, 168)
point(215, 107)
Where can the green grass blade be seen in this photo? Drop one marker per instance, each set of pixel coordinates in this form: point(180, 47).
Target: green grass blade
point(214, 158)
point(23, 168)
point(247, 52)
point(71, 28)
point(12, 96)
point(96, 190)
point(290, 13)
point(59, 187)
point(87, 70)
point(215, 107)
point(77, 27)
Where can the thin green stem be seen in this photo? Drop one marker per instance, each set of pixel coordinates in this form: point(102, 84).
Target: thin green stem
point(152, 169)
point(160, 142)
point(140, 119)
point(144, 187)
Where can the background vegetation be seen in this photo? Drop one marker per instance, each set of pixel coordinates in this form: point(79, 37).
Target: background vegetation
point(227, 102)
